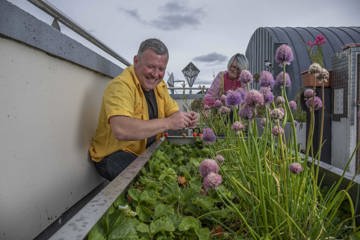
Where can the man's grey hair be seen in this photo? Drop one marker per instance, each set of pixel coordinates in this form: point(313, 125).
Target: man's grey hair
point(240, 60)
point(155, 44)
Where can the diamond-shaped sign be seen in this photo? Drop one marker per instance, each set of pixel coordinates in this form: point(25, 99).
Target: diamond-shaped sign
point(190, 72)
point(171, 80)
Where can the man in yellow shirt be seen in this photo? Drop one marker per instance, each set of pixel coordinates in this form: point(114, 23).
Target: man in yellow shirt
point(135, 110)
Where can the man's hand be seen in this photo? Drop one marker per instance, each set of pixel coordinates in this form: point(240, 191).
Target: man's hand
point(129, 129)
point(194, 119)
point(181, 120)
point(178, 120)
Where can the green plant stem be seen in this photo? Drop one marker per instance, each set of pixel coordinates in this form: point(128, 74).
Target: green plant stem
point(259, 177)
point(322, 119)
point(292, 121)
point(231, 205)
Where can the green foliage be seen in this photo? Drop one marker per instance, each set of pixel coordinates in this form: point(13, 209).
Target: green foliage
point(259, 198)
point(316, 55)
point(164, 209)
point(299, 114)
point(196, 105)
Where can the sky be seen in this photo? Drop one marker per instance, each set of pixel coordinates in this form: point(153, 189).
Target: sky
point(204, 32)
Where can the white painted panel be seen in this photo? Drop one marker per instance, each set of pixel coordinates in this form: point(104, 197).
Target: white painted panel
point(48, 113)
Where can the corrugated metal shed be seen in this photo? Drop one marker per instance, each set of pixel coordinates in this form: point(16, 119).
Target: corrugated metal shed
point(265, 40)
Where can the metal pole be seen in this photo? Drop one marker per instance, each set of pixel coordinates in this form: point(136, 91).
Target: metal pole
point(58, 15)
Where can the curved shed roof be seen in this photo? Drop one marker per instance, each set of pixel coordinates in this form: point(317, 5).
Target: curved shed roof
point(265, 40)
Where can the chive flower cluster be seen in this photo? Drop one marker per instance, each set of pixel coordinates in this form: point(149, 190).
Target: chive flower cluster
point(284, 55)
point(320, 73)
point(233, 98)
point(237, 126)
point(296, 168)
point(277, 131)
point(250, 103)
point(208, 135)
point(209, 170)
point(266, 79)
point(311, 100)
point(283, 80)
point(246, 77)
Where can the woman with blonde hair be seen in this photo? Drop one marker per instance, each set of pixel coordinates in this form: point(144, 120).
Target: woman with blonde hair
point(227, 80)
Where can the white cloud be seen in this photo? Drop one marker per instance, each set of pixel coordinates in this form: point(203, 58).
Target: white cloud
point(199, 30)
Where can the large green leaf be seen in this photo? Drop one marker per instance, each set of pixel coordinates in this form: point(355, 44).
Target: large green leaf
point(148, 197)
point(203, 233)
point(144, 213)
point(96, 233)
point(125, 231)
point(134, 194)
point(163, 224)
point(163, 210)
point(143, 228)
point(203, 202)
point(189, 222)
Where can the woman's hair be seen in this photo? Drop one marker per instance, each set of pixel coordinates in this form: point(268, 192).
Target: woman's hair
point(155, 44)
point(240, 60)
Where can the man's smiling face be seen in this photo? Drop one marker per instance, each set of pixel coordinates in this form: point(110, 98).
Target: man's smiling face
point(150, 68)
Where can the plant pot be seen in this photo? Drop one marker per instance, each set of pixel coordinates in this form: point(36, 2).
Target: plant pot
point(310, 81)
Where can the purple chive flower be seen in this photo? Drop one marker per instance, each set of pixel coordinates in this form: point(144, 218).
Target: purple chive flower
point(224, 110)
point(277, 113)
point(220, 158)
point(212, 181)
point(207, 166)
point(280, 100)
point(233, 98)
point(296, 168)
point(237, 126)
point(209, 100)
point(254, 98)
point(268, 95)
point(314, 102)
point(284, 55)
point(266, 79)
point(223, 98)
point(217, 103)
point(246, 76)
point(308, 93)
point(280, 80)
point(247, 112)
point(293, 105)
point(242, 92)
point(208, 135)
point(277, 131)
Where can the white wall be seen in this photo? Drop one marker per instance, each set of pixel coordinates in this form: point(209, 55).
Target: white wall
point(49, 110)
point(341, 144)
point(344, 132)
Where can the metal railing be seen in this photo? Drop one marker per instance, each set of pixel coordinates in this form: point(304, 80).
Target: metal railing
point(59, 16)
point(187, 90)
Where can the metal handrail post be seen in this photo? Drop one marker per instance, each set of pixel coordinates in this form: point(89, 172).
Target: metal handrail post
point(58, 15)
